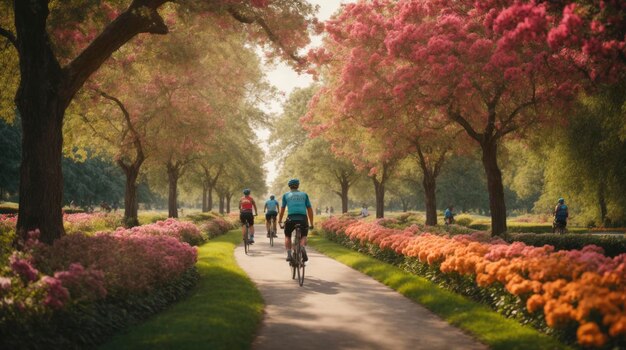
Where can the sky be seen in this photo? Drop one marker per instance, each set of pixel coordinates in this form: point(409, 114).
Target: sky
point(286, 79)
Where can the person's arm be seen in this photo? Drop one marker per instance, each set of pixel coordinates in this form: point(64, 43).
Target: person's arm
point(280, 216)
point(240, 205)
point(310, 211)
point(256, 211)
point(265, 208)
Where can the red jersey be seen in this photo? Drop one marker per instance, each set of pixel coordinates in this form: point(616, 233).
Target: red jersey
point(246, 203)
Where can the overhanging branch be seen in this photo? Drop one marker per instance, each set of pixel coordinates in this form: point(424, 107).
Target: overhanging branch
point(9, 36)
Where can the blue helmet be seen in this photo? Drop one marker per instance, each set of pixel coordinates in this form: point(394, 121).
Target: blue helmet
point(246, 191)
point(272, 196)
point(561, 200)
point(294, 183)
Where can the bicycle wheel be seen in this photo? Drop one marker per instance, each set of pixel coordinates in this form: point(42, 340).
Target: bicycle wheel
point(246, 242)
point(293, 266)
point(272, 230)
point(299, 259)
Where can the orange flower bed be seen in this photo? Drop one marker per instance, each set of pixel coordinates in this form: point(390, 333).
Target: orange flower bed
point(581, 287)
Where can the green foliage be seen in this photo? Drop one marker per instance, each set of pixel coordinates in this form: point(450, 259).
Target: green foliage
point(587, 162)
point(223, 311)
point(92, 181)
point(613, 245)
point(463, 220)
point(88, 324)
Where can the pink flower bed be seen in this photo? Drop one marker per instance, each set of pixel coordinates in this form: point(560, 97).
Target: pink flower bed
point(80, 267)
point(180, 230)
point(581, 287)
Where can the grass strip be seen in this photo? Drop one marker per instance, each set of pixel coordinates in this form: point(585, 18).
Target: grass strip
point(222, 312)
point(486, 325)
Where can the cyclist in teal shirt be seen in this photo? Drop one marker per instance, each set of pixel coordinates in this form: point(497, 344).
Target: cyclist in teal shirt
point(271, 211)
point(299, 208)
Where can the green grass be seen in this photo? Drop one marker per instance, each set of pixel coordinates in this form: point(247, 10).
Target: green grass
point(150, 217)
point(222, 312)
point(486, 325)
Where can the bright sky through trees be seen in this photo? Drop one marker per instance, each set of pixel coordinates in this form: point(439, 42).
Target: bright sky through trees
point(285, 79)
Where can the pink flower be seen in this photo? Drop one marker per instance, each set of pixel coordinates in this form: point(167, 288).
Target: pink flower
point(23, 268)
point(57, 294)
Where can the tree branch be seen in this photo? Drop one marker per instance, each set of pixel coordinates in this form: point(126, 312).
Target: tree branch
point(457, 117)
point(140, 17)
point(9, 35)
point(129, 123)
point(270, 33)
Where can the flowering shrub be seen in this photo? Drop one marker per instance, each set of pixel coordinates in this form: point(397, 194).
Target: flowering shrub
point(579, 293)
point(7, 234)
point(181, 230)
point(97, 283)
point(217, 226)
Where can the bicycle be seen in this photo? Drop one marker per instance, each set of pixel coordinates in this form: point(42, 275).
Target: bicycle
point(246, 238)
point(272, 231)
point(297, 256)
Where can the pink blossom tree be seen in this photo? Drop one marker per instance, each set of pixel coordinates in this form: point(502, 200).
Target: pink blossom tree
point(362, 83)
point(493, 78)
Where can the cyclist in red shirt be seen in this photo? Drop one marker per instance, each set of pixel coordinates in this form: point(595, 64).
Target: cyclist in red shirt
point(246, 203)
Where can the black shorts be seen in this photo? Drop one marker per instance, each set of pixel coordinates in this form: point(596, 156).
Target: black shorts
point(290, 225)
point(271, 215)
point(246, 217)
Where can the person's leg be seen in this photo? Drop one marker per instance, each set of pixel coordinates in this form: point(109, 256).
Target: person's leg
point(303, 240)
point(251, 221)
point(288, 230)
point(267, 225)
point(275, 224)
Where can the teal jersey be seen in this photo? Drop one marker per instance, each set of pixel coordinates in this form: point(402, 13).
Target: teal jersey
point(272, 206)
point(296, 202)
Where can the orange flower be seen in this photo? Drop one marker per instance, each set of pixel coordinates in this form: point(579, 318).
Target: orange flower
point(618, 327)
point(535, 303)
point(589, 334)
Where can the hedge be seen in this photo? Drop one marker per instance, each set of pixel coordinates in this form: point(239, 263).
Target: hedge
point(612, 245)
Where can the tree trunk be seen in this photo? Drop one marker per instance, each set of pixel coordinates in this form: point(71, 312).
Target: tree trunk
point(379, 188)
point(602, 203)
point(405, 205)
point(345, 186)
point(497, 205)
point(209, 199)
point(41, 110)
point(172, 202)
point(430, 199)
point(221, 203)
point(204, 194)
point(130, 196)
point(228, 197)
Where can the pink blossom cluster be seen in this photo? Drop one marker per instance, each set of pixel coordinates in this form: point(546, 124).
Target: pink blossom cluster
point(82, 268)
point(24, 288)
point(216, 226)
point(7, 223)
point(584, 287)
point(131, 263)
point(181, 230)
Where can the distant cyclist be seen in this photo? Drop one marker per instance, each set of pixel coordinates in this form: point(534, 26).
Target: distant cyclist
point(561, 214)
point(271, 211)
point(246, 203)
point(448, 215)
point(299, 208)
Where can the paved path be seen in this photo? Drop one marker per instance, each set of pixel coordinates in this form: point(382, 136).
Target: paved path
point(338, 307)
